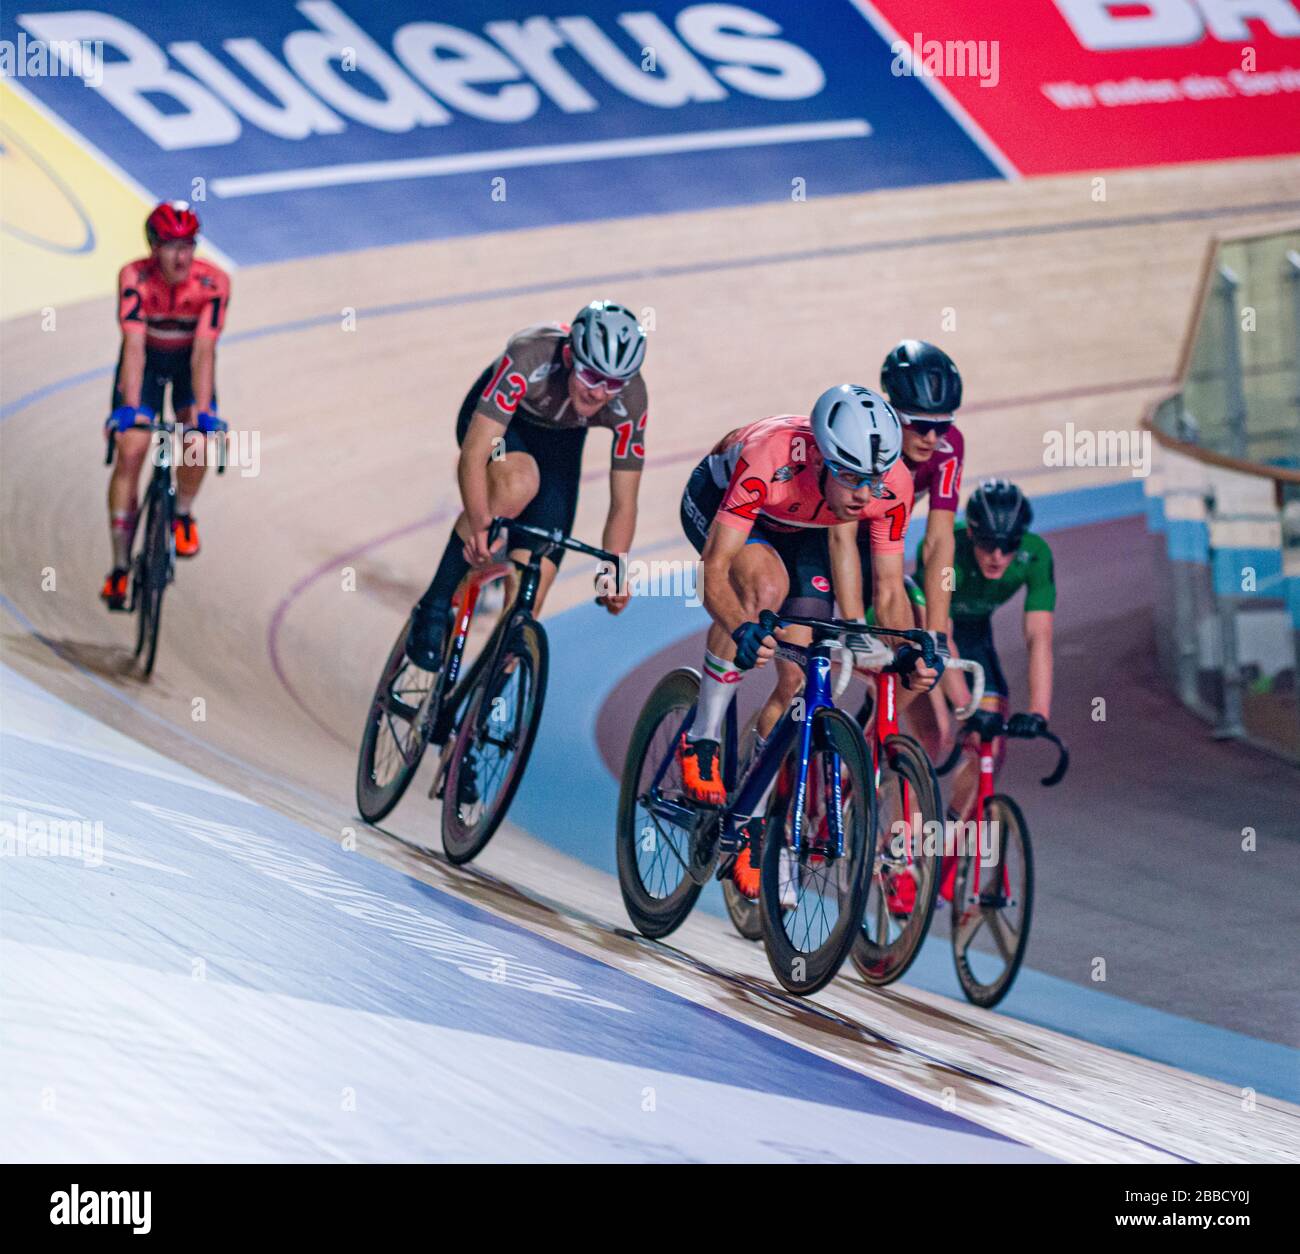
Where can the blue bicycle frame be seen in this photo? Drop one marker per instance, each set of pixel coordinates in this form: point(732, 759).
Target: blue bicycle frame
point(816, 662)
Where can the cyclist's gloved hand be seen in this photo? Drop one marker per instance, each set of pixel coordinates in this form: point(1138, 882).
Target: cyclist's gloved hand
point(124, 417)
point(906, 660)
point(210, 422)
point(987, 724)
point(1027, 725)
point(749, 638)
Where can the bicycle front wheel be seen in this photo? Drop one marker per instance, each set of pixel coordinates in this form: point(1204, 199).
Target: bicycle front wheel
point(493, 742)
point(905, 877)
point(394, 739)
point(812, 898)
point(657, 822)
point(153, 567)
point(991, 910)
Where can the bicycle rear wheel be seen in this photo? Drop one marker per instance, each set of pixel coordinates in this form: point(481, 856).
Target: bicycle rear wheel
point(657, 822)
point(905, 877)
point(494, 741)
point(990, 920)
point(394, 739)
point(812, 900)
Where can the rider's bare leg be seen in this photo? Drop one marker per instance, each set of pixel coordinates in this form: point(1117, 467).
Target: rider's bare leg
point(760, 583)
point(193, 462)
point(130, 450)
point(789, 682)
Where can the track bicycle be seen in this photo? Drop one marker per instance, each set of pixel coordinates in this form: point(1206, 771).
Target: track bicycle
point(989, 876)
point(154, 565)
point(485, 722)
point(813, 850)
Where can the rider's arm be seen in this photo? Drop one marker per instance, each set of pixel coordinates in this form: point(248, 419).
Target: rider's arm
point(203, 356)
point(846, 569)
point(953, 683)
point(471, 472)
point(937, 553)
point(1038, 641)
point(620, 525)
point(203, 369)
point(130, 378)
point(131, 320)
point(1040, 603)
point(888, 593)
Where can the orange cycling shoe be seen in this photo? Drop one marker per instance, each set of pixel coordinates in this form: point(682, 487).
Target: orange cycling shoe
point(114, 591)
point(701, 775)
point(745, 870)
point(186, 532)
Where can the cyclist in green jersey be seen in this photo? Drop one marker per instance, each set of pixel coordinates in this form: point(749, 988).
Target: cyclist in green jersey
point(997, 555)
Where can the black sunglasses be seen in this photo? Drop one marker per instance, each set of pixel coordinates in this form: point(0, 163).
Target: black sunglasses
point(923, 426)
point(1007, 544)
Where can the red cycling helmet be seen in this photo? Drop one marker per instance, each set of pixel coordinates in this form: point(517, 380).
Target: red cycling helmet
point(172, 219)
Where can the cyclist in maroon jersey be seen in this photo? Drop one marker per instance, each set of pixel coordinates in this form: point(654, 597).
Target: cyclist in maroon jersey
point(924, 386)
point(171, 309)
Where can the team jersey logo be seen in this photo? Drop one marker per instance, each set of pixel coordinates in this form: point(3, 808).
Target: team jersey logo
point(784, 474)
point(821, 583)
point(546, 368)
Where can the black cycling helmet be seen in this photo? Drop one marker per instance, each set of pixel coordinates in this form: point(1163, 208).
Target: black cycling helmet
point(921, 379)
point(998, 515)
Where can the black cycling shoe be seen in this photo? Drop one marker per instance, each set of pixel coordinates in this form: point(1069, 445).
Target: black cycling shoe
point(425, 640)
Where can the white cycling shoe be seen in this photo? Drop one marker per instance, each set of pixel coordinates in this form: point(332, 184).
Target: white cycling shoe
point(789, 882)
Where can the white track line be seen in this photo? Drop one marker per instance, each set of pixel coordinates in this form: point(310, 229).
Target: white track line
point(540, 154)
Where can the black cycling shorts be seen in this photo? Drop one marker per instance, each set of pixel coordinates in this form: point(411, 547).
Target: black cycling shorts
point(974, 640)
point(160, 369)
point(558, 454)
point(804, 551)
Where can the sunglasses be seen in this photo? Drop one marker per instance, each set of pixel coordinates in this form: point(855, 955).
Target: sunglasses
point(853, 480)
point(590, 378)
point(923, 426)
point(1007, 546)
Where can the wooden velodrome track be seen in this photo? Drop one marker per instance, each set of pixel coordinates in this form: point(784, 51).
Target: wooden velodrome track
point(1067, 309)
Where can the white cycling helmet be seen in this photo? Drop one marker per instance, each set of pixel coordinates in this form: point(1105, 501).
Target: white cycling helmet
point(857, 430)
point(607, 338)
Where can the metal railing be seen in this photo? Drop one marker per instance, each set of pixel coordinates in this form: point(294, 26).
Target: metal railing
point(1226, 495)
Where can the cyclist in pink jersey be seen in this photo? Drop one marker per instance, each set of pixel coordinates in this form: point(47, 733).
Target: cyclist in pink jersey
point(171, 309)
point(759, 508)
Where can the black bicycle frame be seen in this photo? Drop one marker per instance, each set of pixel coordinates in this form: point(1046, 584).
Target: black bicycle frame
point(525, 599)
